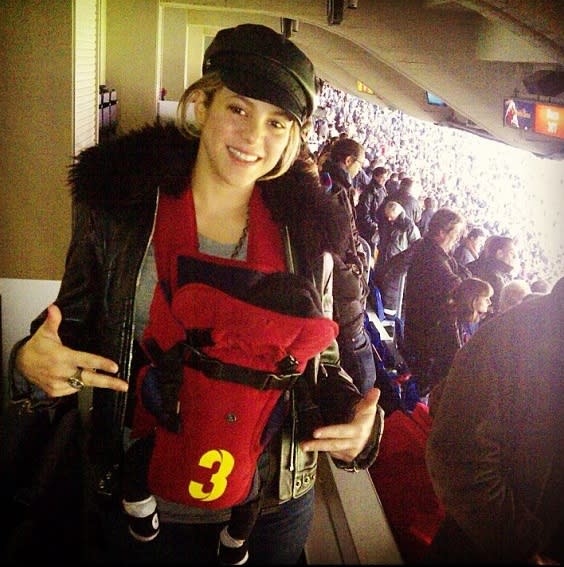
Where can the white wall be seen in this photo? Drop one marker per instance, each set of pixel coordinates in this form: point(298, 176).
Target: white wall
point(22, 301)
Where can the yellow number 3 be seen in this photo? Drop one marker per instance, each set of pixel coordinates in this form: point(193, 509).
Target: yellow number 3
point(218, 479)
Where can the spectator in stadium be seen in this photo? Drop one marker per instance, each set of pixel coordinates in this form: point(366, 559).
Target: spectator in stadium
point(390, 279)
point(406, 198)
point(496, 265)
point(468, 305)
point(540, 286)
point(362, 179)
point(465, 175)
point(350, 276)
point(470, 246)
point(396, 232)
point(512, 293)
point(392, 184)
point(495, 453)
point(429, 208)
point(368, 203)
point(325, 151)
point(174, 226)
point(345, 160)
point(433, 274)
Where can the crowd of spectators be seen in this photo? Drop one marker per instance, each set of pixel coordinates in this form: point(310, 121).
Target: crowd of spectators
point(504, 190)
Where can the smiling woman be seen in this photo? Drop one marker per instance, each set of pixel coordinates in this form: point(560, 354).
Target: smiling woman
point(212, 348)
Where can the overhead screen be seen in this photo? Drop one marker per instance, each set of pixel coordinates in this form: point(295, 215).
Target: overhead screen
point(434, 99)
point(539, 117)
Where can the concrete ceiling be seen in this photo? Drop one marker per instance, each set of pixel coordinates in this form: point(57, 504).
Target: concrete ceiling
point(470, 53)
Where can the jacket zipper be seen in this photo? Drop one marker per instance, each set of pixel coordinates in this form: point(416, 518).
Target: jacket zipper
point(131, 339)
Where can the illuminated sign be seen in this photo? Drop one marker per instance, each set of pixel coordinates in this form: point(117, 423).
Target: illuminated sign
point(519, 113)
point(549, 120)
point(362, 88)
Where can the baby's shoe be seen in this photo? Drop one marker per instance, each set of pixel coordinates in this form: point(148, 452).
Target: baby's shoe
point(143, 518)
point(231, 551)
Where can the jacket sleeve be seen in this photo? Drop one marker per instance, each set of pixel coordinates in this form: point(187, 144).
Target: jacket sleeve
point(413, 233)
point(338, 395)
point(76, 299)
point(364, 219)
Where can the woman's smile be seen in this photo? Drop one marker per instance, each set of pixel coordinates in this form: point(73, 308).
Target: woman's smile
point(242, 156)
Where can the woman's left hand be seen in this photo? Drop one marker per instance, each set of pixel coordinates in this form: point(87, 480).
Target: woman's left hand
point(345, 441)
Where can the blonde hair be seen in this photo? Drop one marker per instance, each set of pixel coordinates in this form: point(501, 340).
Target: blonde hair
point(394, 208)
point(513, 293)
point(210, 84)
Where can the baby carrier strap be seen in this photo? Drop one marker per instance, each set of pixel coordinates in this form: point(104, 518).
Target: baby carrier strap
point(189, 355)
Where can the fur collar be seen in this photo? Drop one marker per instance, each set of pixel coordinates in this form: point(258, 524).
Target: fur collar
point(123, 174)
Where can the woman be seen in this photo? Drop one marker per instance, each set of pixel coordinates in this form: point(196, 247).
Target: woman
point(352, 268)
point(468, 305)
point(175, 229)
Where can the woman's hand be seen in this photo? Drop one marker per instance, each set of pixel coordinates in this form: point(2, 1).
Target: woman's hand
point(47, 363)
point(345, 441)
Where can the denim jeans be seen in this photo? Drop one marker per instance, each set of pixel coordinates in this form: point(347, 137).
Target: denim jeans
point(357, 359)
point(278, 539)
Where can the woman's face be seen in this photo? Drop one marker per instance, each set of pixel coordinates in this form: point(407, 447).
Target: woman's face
point(242, 139)
point(481, 307)
point(450, 237)
point(354, 165)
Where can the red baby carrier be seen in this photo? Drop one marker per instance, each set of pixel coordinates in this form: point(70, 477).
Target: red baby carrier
point(226, 343)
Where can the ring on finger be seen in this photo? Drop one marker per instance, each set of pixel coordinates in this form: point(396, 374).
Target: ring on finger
point(75, 381)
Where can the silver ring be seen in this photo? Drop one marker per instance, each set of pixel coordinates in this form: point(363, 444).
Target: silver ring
point(75, 380)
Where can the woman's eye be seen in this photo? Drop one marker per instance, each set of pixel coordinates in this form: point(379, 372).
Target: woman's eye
point(236, 109)
point(280, 124)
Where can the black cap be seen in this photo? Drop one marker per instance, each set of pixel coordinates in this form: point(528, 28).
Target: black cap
point(257, 62)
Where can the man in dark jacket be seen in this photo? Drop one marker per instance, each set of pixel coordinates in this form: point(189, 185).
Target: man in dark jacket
point(432, 276)
point(369, 202)
point(470, 246)
point(495, 452)
point(407, 199)
point(396, 230)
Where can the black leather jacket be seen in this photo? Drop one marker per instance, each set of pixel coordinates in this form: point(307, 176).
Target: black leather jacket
point(115, 189)
point(366, 211)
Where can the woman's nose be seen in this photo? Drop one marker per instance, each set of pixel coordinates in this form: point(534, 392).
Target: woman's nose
point(252, 129)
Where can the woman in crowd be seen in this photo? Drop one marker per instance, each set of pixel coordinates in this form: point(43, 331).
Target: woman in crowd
point(170, 309)
point(352, 268)
point(468, 305)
